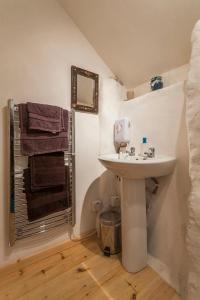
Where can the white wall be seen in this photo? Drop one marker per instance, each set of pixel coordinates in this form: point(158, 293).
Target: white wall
point(39, 43)
point(160, 116)
point(193, 125)
point(112, 94)
point(88, 170)
point(169, 78)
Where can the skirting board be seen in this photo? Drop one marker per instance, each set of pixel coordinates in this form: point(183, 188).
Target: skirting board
point(82, 236)
point(164, 272)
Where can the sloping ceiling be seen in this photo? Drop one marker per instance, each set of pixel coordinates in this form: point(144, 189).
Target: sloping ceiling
point(137, 38)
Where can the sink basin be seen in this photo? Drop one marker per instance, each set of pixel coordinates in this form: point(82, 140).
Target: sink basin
point(132, 171)
point(134, 167)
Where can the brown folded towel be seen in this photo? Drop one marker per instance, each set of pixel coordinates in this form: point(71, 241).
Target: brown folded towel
point(46, 202)
point(38, 142)
point(45, 117)
point(47, 170)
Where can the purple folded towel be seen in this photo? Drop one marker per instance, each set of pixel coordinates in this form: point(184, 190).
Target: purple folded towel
point(47, 170)
point(38, 142)
point(45, 117)
point(48, 201)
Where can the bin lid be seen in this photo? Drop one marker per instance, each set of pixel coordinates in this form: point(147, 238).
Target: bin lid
point(110, 217)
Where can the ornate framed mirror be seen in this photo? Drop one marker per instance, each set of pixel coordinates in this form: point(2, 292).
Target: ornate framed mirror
point(84, 90)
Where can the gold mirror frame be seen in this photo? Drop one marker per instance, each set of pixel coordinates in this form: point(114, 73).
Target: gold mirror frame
point(75, 71)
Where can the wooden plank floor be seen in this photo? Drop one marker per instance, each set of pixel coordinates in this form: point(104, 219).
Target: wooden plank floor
point(78, 270)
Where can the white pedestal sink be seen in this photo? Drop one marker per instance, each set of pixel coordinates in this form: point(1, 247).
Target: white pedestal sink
point(133, 171)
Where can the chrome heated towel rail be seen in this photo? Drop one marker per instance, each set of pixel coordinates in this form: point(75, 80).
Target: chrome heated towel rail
point(20, 226)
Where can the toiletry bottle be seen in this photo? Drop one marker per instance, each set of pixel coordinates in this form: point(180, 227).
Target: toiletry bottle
point(143, 146)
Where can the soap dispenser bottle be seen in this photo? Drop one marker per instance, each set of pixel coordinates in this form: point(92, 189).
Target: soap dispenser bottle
point(143, 146)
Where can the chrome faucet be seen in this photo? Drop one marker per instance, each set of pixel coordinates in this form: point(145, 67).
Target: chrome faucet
point(131, 152)
point(150, 153)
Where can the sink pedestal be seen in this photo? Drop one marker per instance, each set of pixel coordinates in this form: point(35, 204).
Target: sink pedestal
point(134, 229)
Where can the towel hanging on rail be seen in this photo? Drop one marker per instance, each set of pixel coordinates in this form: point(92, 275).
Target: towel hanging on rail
point(47, 170)
point(47, 201)
point(45, 117)
point(39, 142)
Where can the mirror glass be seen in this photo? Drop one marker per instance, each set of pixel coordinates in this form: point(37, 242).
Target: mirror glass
point(85, 90)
